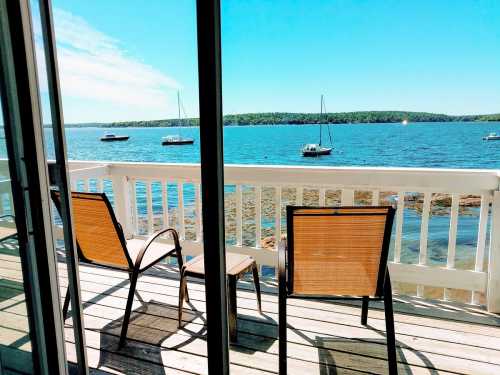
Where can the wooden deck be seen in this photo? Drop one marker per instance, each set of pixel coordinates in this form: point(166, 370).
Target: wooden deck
point(433, 337)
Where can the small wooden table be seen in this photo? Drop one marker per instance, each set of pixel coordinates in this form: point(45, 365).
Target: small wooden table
point(237, 265)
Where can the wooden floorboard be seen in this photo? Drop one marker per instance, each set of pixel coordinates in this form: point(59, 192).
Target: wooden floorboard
point(433, 337)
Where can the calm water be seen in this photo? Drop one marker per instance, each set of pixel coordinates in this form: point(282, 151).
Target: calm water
point(448, 145)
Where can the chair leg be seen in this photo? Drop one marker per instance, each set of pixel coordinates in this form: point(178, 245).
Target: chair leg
point(389, 324)
point(180, 262)
point(364, 311)
point(66, 304)
point(182, 296)
point(282, 333)
point(128, 308)
point(256, 282)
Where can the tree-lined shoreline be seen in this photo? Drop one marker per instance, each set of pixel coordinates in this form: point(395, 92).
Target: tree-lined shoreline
point(281, 118)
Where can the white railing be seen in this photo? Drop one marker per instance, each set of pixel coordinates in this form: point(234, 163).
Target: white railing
point(254, 192)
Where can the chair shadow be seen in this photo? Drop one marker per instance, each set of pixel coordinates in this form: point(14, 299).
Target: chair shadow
point(335, 353)
point(150, 325)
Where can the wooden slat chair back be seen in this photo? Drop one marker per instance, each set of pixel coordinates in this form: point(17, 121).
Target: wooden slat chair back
point(100, 241)
point(338, 251)
point(99, 237)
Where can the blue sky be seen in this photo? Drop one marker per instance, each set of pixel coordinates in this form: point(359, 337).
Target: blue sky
point(124, 60)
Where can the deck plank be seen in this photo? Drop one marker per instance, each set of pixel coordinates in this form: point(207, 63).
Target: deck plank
point(433, 337)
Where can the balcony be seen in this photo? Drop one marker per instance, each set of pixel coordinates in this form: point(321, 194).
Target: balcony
point(434, 332)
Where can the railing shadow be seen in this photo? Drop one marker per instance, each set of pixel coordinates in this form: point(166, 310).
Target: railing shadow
point(255, 334)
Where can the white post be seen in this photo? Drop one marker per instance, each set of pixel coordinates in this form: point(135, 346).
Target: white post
point(239, 216)
point(494, 257)
point(277, 217)
point(399, 227)
point(122, 204)
point(347, 198)
point(258, 216)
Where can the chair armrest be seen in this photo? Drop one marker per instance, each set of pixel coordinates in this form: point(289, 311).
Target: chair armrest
point(151, 239)
point(282, 250)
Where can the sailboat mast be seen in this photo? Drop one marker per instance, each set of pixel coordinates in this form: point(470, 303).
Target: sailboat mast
point(179, 107)
point(320, 117)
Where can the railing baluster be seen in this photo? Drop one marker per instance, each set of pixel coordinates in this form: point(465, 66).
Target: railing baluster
point(424, 231)
point(239, 216)
point(322, 193)
point(133, 206)
point(375, 197)
point(258, 232)
point(347, 198)
point(164, 203)
point(399, 227)
point(299, 195)
point(149, 207)
point(100, 185)
point(493, 292)
point(481, 239)
point(424, 228)
point(198, 219)
point(85, 184)
point(180, 208)
point(277, 217)
point(452, 237)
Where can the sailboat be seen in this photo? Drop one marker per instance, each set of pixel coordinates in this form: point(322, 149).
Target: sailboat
point(316, 149)
point(177, 139)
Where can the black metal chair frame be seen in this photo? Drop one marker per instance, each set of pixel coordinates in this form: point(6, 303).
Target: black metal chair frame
point(134, 269)
point(383, 292)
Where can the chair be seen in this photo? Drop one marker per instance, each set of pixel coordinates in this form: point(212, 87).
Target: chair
point(100, 241)
point(336, 253)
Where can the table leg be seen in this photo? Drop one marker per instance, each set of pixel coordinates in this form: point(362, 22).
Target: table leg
point(256, 282)
point(232, 308)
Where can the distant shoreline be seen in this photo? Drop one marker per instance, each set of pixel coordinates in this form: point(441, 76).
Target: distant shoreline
point(285, 118)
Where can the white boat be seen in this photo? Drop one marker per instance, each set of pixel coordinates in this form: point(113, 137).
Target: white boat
point(492, 137)
point(110, 137)
point(313, 149)
point(172, 140)
point(176, 140)
point(316, 149)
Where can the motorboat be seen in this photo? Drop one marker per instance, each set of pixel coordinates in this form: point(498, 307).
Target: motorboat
point(110, 137)
point(492, 137)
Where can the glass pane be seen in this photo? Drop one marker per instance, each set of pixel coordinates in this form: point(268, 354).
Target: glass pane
point(15, 342)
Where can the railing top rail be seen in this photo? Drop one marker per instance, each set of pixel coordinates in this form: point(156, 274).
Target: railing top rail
point(389, 178)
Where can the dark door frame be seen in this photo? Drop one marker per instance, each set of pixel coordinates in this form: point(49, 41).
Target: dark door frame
point(212, 182)
point(62, 181)
point(30, 186)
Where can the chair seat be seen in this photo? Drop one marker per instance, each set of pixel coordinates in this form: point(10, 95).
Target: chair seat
point(155, 251)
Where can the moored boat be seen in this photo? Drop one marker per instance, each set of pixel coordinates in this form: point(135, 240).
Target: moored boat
point(110, 137)
point(176, 140)
point(313, 149)
point(171, 140)
point(492, 137)
point(316, 149)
